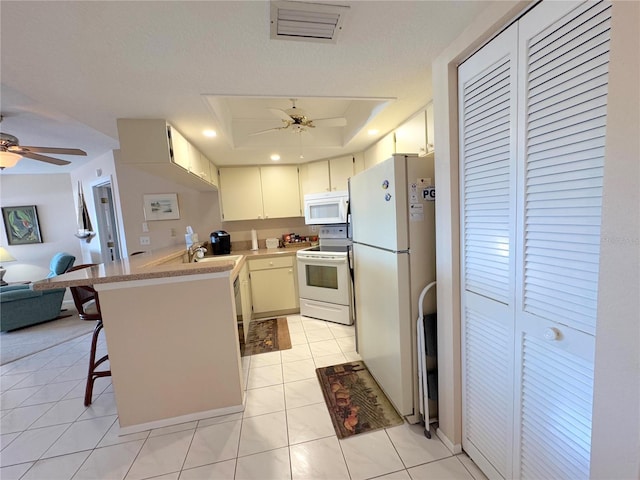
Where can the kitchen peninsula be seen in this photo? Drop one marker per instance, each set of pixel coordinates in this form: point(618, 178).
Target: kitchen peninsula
point(171, 334)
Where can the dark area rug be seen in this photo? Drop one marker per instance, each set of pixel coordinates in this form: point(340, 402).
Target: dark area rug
point(265, 336)
point(355, 401)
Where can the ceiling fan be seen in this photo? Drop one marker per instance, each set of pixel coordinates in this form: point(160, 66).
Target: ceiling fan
point(11, 152)
point(295, 120)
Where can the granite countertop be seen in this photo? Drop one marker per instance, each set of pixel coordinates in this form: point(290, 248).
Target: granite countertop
point(162, 263)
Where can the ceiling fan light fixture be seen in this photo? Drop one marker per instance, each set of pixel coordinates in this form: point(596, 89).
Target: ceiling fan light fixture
point(9, 159)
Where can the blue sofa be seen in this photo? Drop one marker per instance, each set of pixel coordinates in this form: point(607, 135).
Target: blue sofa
point(21, 306)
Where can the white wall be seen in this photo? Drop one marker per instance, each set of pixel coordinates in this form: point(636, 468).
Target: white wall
point(98, 170)
point(52, 195)
point(240, 231)
point(380, 151)
point(200, 210)
point(616, 425)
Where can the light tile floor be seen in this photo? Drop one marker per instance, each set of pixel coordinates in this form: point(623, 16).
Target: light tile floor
point(285, 431)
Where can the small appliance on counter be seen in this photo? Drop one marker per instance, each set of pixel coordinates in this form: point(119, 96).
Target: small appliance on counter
point(220, 242)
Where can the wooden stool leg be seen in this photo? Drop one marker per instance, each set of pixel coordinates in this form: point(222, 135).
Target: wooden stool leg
point(92, 374)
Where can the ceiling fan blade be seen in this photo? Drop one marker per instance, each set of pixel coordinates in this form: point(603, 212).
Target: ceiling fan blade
point(266, 131)
point(43, 158)
point(281, 114)
point(330, 122)
point(58, 151)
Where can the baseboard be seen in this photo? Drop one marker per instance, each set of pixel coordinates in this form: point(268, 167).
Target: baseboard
point(166, 422)
point(453, 448)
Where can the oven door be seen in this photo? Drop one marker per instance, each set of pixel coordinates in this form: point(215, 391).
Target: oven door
point(324, 279)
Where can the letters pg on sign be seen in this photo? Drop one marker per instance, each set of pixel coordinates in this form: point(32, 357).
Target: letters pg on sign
point(429, 194)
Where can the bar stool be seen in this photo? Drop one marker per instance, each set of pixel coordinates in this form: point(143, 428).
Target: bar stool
point(86, 300)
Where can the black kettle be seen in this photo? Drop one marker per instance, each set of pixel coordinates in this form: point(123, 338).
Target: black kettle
point(220, 242)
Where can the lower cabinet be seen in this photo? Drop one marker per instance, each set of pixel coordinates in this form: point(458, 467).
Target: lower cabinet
point(245, 295)
point(273, 285)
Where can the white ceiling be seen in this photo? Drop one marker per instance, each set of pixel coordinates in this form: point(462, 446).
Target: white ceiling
point(70, 69)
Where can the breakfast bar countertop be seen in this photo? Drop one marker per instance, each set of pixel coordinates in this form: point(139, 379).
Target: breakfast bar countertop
point(161, 263)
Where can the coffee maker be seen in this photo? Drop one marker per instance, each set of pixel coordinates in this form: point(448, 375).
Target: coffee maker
point(220, 242)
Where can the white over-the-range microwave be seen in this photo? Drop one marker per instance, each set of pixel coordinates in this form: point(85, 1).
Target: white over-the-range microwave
point(326, 208)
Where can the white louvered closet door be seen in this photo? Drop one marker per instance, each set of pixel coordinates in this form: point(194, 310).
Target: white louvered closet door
point(530, 237)
point(488, 102)
point(564, 48)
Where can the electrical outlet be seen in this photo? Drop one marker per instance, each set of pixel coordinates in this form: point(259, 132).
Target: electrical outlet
point(172, 231)
point(313, 228)
point(145, 240)
point(145, 227)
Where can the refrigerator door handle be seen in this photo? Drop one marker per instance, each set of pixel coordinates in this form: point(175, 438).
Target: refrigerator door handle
point(380, 248)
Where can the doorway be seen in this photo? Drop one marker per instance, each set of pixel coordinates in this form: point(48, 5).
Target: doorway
point(107, 224)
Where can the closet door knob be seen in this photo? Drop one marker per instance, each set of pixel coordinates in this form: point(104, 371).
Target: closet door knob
point(551, 334)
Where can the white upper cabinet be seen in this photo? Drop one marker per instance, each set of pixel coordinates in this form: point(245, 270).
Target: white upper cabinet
point(214, 175)
point(249, 193)
point(430, 129)
point(411, 136)
point(326, 175)
point(358, 163)
point(340, 170)
point(154, 146)
point(280, 191)
point(199, 164)
point(180, 149)
point(240, 193)
point(314, 177)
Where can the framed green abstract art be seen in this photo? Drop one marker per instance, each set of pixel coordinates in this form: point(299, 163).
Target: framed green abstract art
point(21, 225)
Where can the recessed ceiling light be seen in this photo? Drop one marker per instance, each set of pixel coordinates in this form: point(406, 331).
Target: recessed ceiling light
point(210, 133)
point(275, 157)
point(373, 131)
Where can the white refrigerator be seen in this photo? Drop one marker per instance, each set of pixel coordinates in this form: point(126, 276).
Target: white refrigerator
point(393, 227)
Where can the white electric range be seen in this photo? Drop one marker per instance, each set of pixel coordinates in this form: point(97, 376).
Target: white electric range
point(324, 277)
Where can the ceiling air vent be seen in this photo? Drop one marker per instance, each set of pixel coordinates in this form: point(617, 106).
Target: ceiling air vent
point(307, 22)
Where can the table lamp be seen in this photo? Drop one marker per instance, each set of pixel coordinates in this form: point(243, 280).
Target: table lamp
point(4, 257)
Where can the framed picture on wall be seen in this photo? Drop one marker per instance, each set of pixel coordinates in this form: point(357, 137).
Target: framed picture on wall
point(161, 206)
point(21, 224)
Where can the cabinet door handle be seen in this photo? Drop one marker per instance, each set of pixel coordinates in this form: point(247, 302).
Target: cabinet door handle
point(291, 270)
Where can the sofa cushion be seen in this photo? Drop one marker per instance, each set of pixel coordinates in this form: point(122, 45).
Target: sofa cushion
point(22, 294)
point(9, 288)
